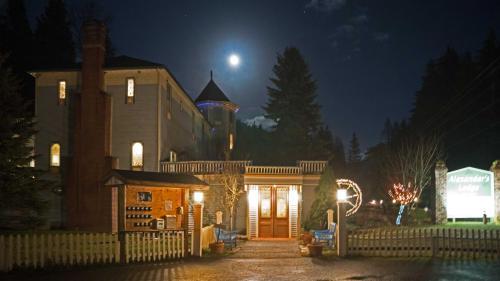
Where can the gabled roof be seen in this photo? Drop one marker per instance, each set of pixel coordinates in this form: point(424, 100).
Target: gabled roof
point(156, 179)
point(129, 62)
point(212, 92)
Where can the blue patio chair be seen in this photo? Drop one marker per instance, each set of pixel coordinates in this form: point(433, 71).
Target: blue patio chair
point(228, 237)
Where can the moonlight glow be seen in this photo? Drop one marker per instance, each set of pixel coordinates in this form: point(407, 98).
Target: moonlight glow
point(234, 60)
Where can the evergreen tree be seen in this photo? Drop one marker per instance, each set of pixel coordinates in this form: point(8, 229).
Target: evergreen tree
point(91, 10)
point(323, 145)
point(354, 150)
point(53, 36)
point(16, 37)
point(20, 185)
point(292, 105)
point(490, 50)
point(324, 199)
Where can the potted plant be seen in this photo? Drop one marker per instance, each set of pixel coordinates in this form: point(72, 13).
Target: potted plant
point(218, 246)
point(306, 237)
point(315, 249)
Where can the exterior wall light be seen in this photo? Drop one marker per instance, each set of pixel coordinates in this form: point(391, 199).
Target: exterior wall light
point(198, 197)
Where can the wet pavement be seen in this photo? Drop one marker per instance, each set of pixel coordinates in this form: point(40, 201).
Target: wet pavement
point(279, 260)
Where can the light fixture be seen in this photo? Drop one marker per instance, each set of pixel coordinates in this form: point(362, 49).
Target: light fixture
point(198, 197)
point(342, 195)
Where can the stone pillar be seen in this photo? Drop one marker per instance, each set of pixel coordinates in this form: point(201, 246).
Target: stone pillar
point(440, 173)
point(329, 213)
point(495, 168)
point(198, 224)
point(341, 236)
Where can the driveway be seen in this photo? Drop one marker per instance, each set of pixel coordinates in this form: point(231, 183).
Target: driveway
point(279, 260)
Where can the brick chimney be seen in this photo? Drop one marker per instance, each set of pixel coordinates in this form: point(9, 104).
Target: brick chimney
point(87, 199)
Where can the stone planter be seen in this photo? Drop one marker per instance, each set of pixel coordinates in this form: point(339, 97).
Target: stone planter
point(315, 250)
point(217, 247)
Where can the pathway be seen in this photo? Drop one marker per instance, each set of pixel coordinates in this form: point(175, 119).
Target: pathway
point(277, 260)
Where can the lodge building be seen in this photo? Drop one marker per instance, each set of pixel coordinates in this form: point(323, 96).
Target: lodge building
point(129, 146)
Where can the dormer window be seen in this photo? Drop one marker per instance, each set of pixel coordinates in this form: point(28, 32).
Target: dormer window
point(130, 90)
point(61, 92)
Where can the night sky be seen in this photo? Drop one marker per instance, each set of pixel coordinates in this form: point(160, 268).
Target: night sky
point(367, 56)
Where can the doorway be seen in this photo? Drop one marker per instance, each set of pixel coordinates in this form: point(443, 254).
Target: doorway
point(273, 212)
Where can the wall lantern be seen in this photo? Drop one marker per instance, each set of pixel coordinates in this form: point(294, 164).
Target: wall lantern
point(198, 197)
point(342, 195)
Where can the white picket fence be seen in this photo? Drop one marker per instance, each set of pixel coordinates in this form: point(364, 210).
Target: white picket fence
point(144, 246)
point(421, 242)
point(40, 250)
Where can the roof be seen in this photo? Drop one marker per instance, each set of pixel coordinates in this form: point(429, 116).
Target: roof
point(156, 178)
point(111, 63)
point(212, 92)
point(129, 62)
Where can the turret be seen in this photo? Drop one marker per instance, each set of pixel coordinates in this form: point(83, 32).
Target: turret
point(220, 113)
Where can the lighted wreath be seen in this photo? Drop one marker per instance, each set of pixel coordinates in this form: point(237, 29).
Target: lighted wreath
point(354, 195)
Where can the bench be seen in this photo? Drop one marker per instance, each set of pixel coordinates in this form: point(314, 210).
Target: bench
point(327, 235)
point(228, 237)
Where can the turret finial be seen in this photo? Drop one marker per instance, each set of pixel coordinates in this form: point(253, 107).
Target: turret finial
point(211, 75)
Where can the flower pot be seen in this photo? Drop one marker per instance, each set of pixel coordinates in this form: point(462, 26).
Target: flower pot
point(315, 250)
point(217, 247)
point(306, 238)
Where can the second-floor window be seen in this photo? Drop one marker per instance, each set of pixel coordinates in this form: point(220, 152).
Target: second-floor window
point(61, 92)
point(137, 156)
point(130, 90)
point(231, 141)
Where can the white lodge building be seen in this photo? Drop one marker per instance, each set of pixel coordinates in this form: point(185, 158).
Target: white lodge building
point(131, 114)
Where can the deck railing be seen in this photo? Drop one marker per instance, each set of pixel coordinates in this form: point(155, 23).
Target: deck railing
point(203, 167)
point(422, 242)
point(273, 170)
point(312, 167)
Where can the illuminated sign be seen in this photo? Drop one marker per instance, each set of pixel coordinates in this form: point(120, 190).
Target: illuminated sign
point(469, 193)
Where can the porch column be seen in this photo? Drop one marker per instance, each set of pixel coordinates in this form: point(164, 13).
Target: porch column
point(198, 224)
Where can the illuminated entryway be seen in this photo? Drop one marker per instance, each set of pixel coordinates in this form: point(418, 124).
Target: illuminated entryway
point(273, 211)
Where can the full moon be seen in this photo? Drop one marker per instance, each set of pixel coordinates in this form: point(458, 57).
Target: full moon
point(234, 60)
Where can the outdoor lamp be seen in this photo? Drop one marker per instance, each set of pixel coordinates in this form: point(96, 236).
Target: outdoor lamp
point(198, 197)
point(341, 195)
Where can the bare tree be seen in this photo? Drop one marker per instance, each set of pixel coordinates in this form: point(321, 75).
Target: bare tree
point(230, 180)
point(412, 162)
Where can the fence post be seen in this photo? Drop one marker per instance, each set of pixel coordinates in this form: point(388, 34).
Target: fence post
point(433, 244)
point(198, 224)
point(341, 229)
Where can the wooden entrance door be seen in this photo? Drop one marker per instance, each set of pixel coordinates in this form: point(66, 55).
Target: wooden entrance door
point(273, 212)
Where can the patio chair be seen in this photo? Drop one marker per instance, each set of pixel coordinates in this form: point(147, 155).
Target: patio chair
point(228, 237)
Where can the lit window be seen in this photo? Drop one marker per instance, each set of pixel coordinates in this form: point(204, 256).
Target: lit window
point(137, 156)
point(62, 92)
point(55, 155)
point(130, 90)
point(173, 156)
point(231, 144)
